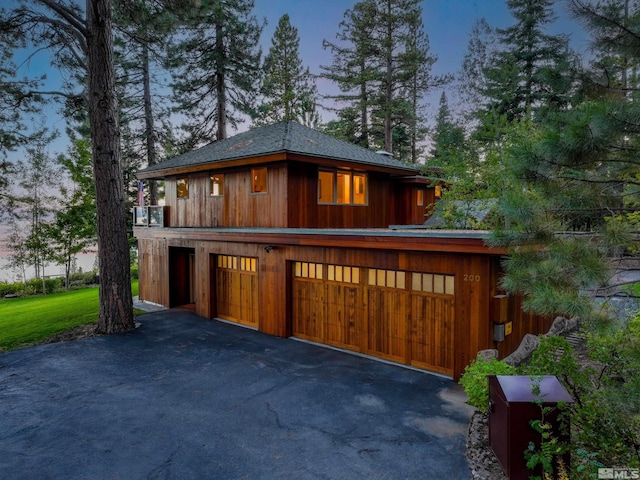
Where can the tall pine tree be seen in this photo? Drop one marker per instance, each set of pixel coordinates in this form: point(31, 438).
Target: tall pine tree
point(216, 68)
point(383, 68)
point(532, 71)
point(288, 90)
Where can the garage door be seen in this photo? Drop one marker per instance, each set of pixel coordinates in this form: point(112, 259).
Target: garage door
point(236, 285)
point(405, 317)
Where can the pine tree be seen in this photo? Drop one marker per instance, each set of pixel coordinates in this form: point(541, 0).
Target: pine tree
point(73, 229)
point(577, 173)
point(288, 88)
point(216, 68)
point(83, 45)
point(382, 66)
point(352, 70)
point(143, 30)
point(532, 70)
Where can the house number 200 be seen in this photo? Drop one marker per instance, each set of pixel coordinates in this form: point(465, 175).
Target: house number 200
point(471, 278)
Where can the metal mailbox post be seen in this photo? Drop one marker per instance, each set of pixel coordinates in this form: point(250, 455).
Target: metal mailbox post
point(514, 402)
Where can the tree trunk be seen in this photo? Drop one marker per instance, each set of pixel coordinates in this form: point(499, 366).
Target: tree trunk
point(221, 93)
point(116, 305)
point(150, 131)
point(388, 93)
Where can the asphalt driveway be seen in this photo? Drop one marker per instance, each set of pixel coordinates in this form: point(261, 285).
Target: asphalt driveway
point(182, 397)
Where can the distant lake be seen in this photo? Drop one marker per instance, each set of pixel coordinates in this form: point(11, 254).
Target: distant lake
point(84, 261)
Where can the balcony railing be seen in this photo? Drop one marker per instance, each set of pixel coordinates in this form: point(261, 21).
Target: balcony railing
point(148, 216)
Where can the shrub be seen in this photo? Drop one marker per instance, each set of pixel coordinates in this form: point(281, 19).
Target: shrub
point(134, 272)
point(11, 289)
point(475, 383)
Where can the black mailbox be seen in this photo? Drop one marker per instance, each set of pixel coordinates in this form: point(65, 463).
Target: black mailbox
point(514, 401)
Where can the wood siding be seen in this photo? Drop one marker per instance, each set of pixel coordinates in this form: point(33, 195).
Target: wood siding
point(305, 212)
point(468, 314)
point(238, 207)
point(291, 201)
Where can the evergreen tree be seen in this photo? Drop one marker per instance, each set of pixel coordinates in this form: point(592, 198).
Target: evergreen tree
point(36, 177)
point(216, 68)
point(382, 66)
point(353, 71)
point(143, 30)
point(73, 229)
point(83, 44)
point(577, 173)
point(288, 89)
point(532, 70)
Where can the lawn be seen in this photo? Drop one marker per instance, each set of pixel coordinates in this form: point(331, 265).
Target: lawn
point(28, 320)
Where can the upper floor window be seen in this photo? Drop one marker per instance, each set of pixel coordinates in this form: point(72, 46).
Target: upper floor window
point(182, 187)
point(259, 180)
point(342, 187)
point(420, 197)
point(217, 185)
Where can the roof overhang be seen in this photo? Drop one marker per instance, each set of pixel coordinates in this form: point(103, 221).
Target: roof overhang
point(159, 173)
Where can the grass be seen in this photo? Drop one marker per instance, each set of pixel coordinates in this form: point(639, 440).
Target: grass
point(30, 320)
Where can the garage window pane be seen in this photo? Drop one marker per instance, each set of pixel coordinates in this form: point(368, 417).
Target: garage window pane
point(438, 283)
point(427, 282)
point(391, 279)
point(400, 280)
point(319, 271)
point(331, 272)
point(298, 269)
point(450, 285)
point(338, 274)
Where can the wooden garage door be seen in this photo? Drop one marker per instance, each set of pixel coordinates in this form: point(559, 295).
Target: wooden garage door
point(405, 317)
point(237, 289)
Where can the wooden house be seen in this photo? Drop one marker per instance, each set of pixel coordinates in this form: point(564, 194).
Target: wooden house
point(298, 234)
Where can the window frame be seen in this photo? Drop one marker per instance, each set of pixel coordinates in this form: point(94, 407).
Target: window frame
point(220, 183)
point(186, 188)
point(362, 177)
point(254, 181)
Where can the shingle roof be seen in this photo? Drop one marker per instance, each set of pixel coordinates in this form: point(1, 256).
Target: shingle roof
point(283, 137)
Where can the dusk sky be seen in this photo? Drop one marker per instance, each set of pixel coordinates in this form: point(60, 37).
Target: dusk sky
point(447, 23)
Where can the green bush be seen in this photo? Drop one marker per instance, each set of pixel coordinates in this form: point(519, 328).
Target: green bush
point(82, 279)
point(475, 383)
point(11, 289)
point(134, 272)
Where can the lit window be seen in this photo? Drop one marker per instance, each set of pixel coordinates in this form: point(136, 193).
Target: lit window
point(438, 191)
point(420, 197)
point(359, 189)
point(326, 182)
point(217, 185)
point(344, 187)
point(259, 180)
point(182, 187)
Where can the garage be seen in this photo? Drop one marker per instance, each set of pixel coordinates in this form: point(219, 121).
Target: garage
point(236, 289)
point(404, 317)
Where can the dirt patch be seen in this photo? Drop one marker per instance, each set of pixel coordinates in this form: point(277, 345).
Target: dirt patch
point(77, 333)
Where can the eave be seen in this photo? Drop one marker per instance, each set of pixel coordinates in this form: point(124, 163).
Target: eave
point(376, 239)
point(160, 174)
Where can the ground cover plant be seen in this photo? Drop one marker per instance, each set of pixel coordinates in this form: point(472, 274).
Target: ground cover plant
point(29, 320)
